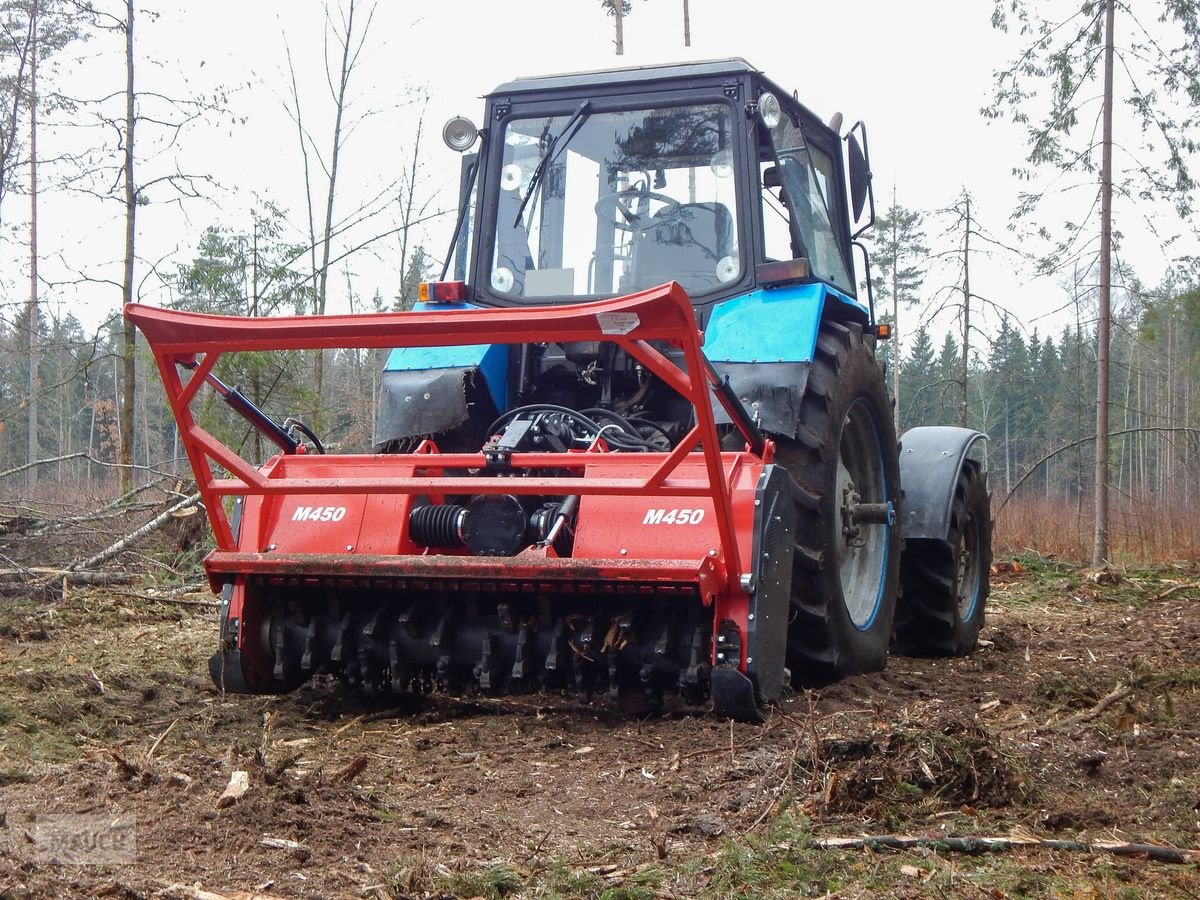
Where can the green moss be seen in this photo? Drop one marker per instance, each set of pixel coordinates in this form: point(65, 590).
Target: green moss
point(493, 883)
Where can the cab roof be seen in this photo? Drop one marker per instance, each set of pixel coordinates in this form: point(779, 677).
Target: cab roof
point(628, 75)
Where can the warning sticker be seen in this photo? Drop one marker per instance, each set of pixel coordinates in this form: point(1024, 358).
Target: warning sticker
point(617, 322)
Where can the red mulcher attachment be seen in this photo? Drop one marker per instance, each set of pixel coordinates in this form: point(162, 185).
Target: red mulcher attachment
point(645, 573)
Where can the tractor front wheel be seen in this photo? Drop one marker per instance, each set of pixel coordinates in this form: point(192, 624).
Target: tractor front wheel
point(845, 474)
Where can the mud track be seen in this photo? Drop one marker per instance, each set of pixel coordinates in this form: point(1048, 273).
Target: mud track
point(1077, 720)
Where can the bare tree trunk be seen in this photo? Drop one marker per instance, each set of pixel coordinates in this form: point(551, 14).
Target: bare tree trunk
point(347, 64)
point(34, 386)
point(895, 241)
point(619, 17)
point(962, 404)
point(687, 25)
point(1100, 537)
point(128, 348)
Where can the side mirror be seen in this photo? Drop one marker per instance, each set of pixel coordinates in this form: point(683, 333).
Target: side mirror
point(858, 159)
point(860, 176)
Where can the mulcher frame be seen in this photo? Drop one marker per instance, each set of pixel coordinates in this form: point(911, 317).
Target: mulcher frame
point(719, 569)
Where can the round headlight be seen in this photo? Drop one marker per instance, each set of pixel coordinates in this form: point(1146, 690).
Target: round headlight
point(459, 133)
point(728, 269)
point(770, 110)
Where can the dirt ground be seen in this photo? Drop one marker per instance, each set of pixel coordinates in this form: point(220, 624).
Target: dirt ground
point(1077, 720)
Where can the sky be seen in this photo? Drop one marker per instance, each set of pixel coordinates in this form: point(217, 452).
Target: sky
point(917, 73)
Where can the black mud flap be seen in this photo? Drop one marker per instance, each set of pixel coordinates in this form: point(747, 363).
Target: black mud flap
point(733, 696)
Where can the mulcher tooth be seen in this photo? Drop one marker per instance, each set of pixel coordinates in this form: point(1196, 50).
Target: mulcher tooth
point(278, 633)
point(583, 661)
point(518, 669)
point(407, 620)
point(366, 652)
point(438, 637)
point(693, 679)
point(396, 669)
point(310, 641)
point(371, 625)
point(485, 669)
point(663, 645)
point(442, 674)
point(580, 667)
point(338, 652)
point(554, 661)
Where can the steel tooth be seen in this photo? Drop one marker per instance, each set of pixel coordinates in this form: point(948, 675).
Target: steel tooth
point(277, 647)
point(587, 640)
point(406, 620)
point(484, 668)
point(625, 635)
point(518, 669)
point(372, 624)
point(338, 652)
point(442, 676)
point(504, 611)
point(579, 665)
point(439, 636)
point(690, 676)
point(366, 651)
point(398, 673)
point(554, 654)
point(663, 645)
point(310, 640)
point(614, 682)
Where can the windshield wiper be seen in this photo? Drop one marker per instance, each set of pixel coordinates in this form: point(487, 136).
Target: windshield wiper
point(535, 181)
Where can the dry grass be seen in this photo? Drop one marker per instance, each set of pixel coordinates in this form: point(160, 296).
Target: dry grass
point(1140, 531)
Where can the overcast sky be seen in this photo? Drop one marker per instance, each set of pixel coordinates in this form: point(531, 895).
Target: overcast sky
point(916, 72)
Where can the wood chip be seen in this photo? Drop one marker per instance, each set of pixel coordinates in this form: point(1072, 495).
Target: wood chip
point(239, 783)
point(352, 769)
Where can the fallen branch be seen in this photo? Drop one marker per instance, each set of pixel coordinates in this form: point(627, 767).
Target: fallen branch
point(997, 844)
point(73, 576)
point(1186, 586)
point(161, 738)
point(42, 462)
point(1120, 693)
point(153, 525)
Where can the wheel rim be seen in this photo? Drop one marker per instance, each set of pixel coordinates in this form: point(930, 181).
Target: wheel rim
point(969, 576)
point(862, 551)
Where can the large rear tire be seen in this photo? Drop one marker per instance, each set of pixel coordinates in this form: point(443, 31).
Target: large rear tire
point(945, 583)
point(845, 474)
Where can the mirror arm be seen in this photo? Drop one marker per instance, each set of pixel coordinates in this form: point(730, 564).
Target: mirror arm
point(867, 274)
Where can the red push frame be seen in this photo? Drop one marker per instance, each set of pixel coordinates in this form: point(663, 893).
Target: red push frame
point(196, 341)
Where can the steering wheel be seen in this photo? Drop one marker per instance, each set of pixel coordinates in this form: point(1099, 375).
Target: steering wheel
point(629, 220)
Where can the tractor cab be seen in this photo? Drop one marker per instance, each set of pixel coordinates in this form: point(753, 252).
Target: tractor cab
point(592, 186)
point(597, 185)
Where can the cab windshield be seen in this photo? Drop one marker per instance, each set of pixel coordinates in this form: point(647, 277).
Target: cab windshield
point(596, 203)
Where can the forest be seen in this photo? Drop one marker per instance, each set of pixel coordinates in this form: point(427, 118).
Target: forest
point(80, 406)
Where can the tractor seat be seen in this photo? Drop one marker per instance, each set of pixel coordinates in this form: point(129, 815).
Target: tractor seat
point(681, 243)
